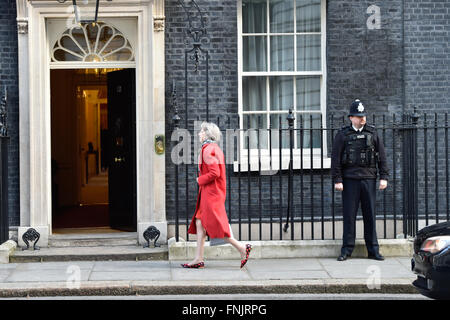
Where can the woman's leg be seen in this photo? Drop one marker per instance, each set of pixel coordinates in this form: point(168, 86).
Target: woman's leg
point(201, 238)
point(239, 246)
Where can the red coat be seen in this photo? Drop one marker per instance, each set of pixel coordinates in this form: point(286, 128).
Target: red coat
point(212, 193)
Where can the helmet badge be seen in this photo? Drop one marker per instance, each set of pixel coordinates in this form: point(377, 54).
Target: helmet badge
point(360, 107)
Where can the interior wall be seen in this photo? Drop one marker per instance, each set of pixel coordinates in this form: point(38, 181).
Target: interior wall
point(95, 189)
point(77, 97)
point(64, 136)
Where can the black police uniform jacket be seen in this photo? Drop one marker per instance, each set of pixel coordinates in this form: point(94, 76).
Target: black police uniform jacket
point(342, 168)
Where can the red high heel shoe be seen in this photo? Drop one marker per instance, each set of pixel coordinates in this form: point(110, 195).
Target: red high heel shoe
point(199, 265)
point(248, 248)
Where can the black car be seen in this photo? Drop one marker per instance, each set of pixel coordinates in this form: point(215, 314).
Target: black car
point(431, 261)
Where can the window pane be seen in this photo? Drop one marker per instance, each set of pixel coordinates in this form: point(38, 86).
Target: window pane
point(306, 136)
point(254, 122)
point(254, 16)
point(119, 55)
point(108, 43)
point(70, 50)
point(281, 16)
point(62, 55)
point(275, 132)
point(282, 53)
point(254, 51)
point(79, 36)
point(254, 93)
point(308, 53)
point(308, 15)
point(308, 93)
point(115, 43)
point(281, 93)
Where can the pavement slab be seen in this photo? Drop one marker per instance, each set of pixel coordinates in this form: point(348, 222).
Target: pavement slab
point(130, 275)
point(296, 275)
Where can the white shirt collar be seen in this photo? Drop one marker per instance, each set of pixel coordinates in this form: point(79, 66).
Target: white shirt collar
point(358, 130)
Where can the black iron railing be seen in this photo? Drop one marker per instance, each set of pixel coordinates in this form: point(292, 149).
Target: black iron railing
point(286, 193)
point(278, 178)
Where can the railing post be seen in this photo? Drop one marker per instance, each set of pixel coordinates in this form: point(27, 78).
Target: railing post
point(176, 124)
point(447, 180)
point(406, 177)
point(4, 139)
point(290, 120)
point(333, 215)
point(415, 204)
point(410, 178)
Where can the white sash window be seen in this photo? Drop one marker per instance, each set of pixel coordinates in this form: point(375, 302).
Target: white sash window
point(282, 66)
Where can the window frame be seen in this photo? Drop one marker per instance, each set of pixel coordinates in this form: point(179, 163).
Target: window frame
point(260, 159)
point(126, 26)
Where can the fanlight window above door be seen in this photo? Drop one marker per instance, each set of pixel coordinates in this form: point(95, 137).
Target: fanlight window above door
point(98, 42)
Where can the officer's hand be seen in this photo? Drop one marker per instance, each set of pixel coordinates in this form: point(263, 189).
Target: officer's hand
point(383, 184)
point(339, 186)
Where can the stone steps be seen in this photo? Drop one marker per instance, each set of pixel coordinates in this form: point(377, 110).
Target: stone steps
point(93, 240)
point(90, 247)
point(99, 253)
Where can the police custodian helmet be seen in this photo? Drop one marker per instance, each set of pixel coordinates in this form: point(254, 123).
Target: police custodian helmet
point(357, 109)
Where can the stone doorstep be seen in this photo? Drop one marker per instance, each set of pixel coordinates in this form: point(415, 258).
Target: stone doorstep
point(102, 253)
point(88, 240)
point(183, 250)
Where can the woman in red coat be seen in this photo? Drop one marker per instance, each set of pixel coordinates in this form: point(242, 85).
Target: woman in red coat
point(210, 218)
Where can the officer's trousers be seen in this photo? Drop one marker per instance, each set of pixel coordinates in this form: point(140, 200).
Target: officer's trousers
point(356, 192)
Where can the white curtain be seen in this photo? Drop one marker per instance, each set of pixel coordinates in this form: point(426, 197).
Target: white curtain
point(281, 93)
point(308, 15)
point(308, 46)
point(306, 121)
point(281, 17)
point(308, 52)
point(308, 93)
point(308, 98)
point(254, 93)
point(254, 47)
point(254, 18)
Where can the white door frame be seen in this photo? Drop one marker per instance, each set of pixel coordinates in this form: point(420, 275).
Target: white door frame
point(34, 111)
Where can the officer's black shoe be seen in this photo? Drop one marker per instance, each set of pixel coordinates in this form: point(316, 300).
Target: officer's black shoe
point(377, 256)
point(343, 257)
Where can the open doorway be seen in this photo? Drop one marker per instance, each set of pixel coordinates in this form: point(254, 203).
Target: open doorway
point(84, 145)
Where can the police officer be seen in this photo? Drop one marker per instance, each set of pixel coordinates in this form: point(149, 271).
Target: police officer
point(357, 151)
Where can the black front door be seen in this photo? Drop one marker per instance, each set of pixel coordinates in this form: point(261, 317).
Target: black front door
point(122, 149)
